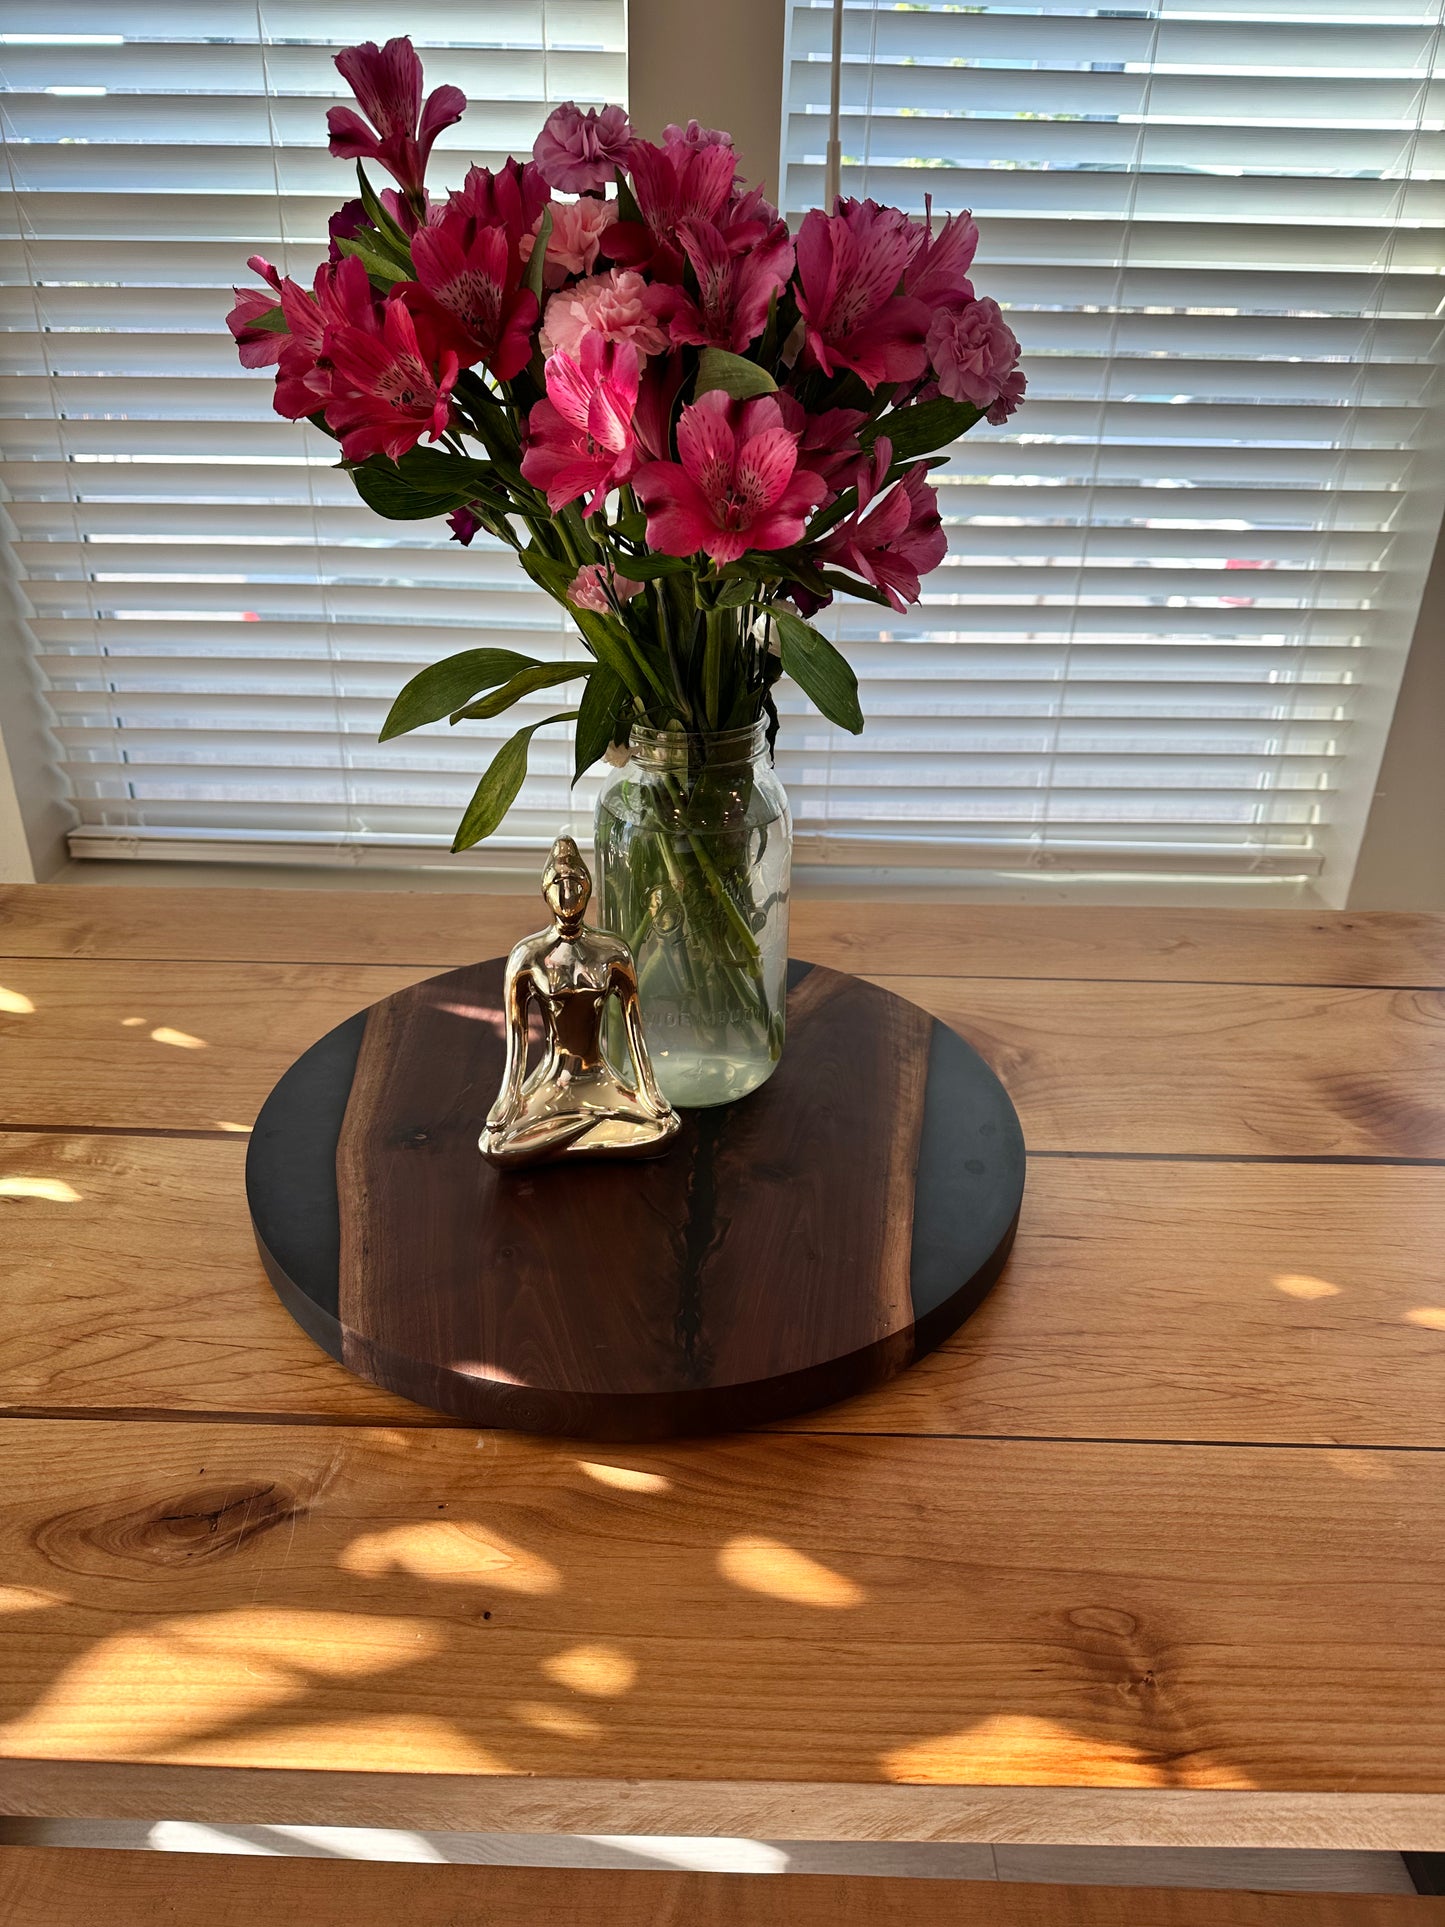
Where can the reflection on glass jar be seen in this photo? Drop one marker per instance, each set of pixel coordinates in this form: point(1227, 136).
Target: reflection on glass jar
point(694, 855)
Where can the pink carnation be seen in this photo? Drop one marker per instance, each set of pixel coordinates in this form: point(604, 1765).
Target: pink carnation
point(580, 153)
point(974, 353)
point(593, 588)
point(619, 306)
point(695, 135)
point(576, 236)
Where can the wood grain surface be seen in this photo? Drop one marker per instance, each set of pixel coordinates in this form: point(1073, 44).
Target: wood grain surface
point(827, 1612)
point(993, 1600)
point(786, 1252)
point(1173, 1301)
point(76, 1887)
point(440, 929)
point(1223, 1070)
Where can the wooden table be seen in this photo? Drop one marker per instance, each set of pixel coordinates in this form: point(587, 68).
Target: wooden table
point(1150, 1552)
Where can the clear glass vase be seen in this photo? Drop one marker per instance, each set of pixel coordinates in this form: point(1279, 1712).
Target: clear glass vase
point(694, 860)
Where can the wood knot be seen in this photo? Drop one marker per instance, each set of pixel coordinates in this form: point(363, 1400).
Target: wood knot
point(210, 1522)
point(1104, 1619)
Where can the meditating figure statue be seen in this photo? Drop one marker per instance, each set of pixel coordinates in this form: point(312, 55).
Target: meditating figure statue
point(574, 1103)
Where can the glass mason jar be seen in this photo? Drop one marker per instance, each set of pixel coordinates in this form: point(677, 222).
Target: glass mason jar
point(694, 859)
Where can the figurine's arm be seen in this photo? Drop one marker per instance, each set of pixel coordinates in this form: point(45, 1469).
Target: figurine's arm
point(515, 1000)
point(624, 988)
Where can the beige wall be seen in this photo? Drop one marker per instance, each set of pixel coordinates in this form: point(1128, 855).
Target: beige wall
point(717, 61)
point(1402, 859)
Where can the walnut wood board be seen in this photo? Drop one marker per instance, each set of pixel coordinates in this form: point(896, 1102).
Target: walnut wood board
point(1226, 1070)
point(439, 929)
point(89, 1887)
point(823, 1625)
point(800, 1245)
point(1107, 1322)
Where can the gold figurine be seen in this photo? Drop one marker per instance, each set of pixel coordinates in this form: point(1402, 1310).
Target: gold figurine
point(574, 1103)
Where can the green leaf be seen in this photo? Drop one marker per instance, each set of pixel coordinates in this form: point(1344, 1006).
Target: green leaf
point(818, 670)
point(598, 717)
point(497, 791)
point(541, 675)
point(532, 278)
point(446, 685)
point(737, 593)
point(734, 374)
point(631, 528)
point(627, 208)
point(389, 231)
point(648, 568)
point(918, 431)
point(273, 321)
point(846, 585)
point(600, 633)
point(548, 573)
point(378, 265)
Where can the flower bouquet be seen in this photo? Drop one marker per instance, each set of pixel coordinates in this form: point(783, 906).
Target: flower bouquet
point(693, 429)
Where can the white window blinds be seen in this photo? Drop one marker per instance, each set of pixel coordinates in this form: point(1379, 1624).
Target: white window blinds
point(1181, 579)
point(1169, 630)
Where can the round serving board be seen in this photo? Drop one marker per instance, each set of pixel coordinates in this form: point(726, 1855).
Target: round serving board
point(804, 1243)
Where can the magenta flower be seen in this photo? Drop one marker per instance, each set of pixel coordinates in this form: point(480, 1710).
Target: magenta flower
point(891, 539)
point(389, 388)
point(939, 268)
point(470, 279)
point(513, 198)
point(736, 486)
point(581, 438)
point(670, 185)
point(593, 588)
point(827, 443)
point(341, 297)
point(733, 289)
point(849, 267)
point(975, 355)
point(387, 83)
point(257, 347)
point(580, 153)
point(464, 523)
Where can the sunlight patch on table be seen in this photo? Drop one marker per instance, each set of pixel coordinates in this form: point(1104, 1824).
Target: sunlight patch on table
point(1430, 1318)
point(181, 1039)
point(782, 1572)
point(597, 1669)
point(52, 1190)
point(624, 1477)
point(563, 1722)
point(14, 1003)
point(1298, 1284)
point(451, 1552)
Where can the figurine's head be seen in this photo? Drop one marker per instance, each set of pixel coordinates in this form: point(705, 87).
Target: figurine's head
point(567, 885)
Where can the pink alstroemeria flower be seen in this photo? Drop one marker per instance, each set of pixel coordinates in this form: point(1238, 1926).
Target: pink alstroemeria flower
point(257, 347)
point(733, 289)
point(464, 523)
point(513, 198)
point(580, 438)
point(975, 356)
point(670, 184)
point(737, 485)
point(580, 153)
point(341, 297)
point(891, 539)
point(827, 443)
point(939, 268)
point(849, 266)
point(389, 388)
point(593, 588)
point(387, 83)
point(469, 279)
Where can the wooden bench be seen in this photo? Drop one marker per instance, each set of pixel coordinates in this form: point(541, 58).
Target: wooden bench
point(83, 1887)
